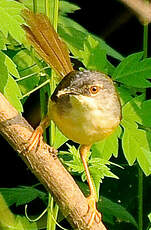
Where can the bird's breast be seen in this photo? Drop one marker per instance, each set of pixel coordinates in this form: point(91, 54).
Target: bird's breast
point(82, 120)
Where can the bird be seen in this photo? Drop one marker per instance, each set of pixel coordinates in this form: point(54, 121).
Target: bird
point(85, 105)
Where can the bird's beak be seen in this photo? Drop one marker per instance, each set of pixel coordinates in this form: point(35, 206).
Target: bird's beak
point(67, 91)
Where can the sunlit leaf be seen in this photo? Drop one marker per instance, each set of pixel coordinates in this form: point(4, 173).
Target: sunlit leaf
point(6, 216)
point(23, 224)
point(135, 140)
point(67, 7)
point(10, 19)
point(60, 139)
point(3, 72)
point(108, 146)
point(74, 163)
point(99, 170)
point(146, 113)
point(75, 35)
point(13, 94)
point(11, 67)
point(2, 41)
point(27, 67)
point(94, 56)
point(134, 71)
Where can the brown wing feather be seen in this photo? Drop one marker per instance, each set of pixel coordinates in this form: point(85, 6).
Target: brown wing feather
point(47, 43)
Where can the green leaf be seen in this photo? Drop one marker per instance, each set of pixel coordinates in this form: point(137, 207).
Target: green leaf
point(75, 35)
point(26, 67)
point(109, 50)
point(135, 146)
point(3, 72)
point(97, 166)
point(135, 141)
point(129, 147)
point(67, 7)
point(108, 146)
point(2, 41)
point(23, 224)
point(149, 216)
point(134, 71)
point(9, 221)
point(113, 210)
point(12, 93)
point(8, 86)
point(10, 19)
point(93, 56)
point(149, 227)
point(73, 162)
point(125, 95)
point(21, 195)
point(11, 67)
point(132, 110)
point(98, 170)
point(6, 217)
point(60, 139)
point(146, 113)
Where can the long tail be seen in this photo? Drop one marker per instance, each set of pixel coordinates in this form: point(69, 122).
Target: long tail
point(47, 43)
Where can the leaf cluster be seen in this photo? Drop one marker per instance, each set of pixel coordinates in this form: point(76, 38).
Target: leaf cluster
point(98, 167)
point(25, 195)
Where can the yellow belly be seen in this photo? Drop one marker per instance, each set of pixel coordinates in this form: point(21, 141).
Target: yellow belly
point(83, 125)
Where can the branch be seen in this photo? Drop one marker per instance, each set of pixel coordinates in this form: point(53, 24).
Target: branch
point(46, 167)
point(141, 8)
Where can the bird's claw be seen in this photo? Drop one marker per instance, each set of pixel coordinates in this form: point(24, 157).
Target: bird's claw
point(35, 139)
point(95, 215)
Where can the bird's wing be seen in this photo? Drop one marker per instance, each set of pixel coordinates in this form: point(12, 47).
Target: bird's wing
point(47, 43)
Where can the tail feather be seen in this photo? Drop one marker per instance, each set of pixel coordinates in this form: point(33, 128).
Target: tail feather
point(47, 43)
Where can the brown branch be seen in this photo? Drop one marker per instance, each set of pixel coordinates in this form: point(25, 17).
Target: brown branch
point(141, 8)
point(47, 168)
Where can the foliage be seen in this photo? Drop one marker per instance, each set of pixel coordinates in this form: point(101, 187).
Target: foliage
point(98, 167)
point(9, 221)
point(117, 211)
point(22, 72)
point(10, 12)
point(109, 209)
point(21, 195)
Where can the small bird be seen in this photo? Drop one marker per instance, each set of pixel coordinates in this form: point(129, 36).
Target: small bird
point(84, 106)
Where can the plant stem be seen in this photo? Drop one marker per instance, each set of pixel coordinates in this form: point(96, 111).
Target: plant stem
point(34, 6)
point(49, 212)
point(35, 89)
point(54, 6)
point(140, 173)
point(145, 41)
point(55, 214)
point(140, 199)
point(47, 8)
point(52, 12)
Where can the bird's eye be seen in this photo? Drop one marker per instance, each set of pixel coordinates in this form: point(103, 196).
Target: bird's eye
point(94, 89)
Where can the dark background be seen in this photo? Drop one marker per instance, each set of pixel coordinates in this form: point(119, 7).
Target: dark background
point(112, 21)
point(120, 28)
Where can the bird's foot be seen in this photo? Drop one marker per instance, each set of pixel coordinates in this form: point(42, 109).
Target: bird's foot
point(95, 215)
point(35, 139)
